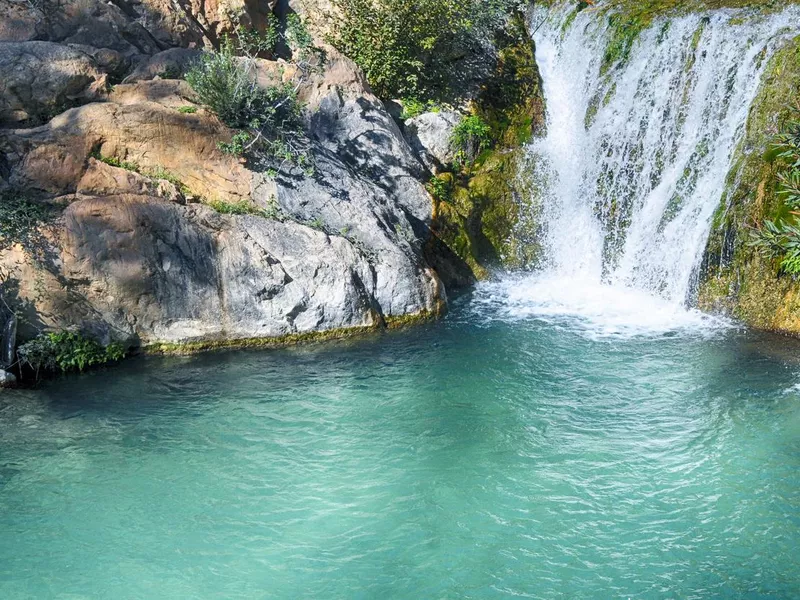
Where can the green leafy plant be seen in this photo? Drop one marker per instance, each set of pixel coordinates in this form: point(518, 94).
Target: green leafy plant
point(789, 188)
point(187, 110)
point(407, 48)
point(244, 207)
point(67, 351)
point(412, 107)
point(116, 162)
point(267, 119)
point(779, 240)
point(440, 189)
point(470, 137)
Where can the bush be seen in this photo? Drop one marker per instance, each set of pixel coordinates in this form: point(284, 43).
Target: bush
point(268, 119)
point(780, 239)
point(470, 137)
point(407, 47)
point(67, 351)
point(21, 222)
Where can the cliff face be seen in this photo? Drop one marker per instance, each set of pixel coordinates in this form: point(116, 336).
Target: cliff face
point(736, 278)
point(136, 252)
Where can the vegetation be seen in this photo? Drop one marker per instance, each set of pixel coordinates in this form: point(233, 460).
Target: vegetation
point(780, 239)
point(407, 47)
point(154, 174)
point(22, 222)
point(267, 119)
point(414, 108)
point(470, 137)
point(187, 110)
point(244, 207)
point(737, 276)
point(67, 351)
point(116, 162)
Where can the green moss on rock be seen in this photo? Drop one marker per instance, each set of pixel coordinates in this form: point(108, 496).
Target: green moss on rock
point(736, 280)
point(477, 219)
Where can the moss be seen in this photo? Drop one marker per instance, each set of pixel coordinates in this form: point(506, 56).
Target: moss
point(292, 339)
point(735, 279)
point(265, 342)
point(402, 321)
point(480, 212)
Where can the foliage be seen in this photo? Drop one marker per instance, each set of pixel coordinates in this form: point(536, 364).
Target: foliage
point(244, 207)
point(67, 351)
point(21, 222)
point(412, 107)
point(407, 47)
point(267, 119)
point(469, 138)
point(441, 188)
point(779, 240)
point(187, 110)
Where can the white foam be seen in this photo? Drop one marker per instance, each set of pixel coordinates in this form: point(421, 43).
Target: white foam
point(590, 308)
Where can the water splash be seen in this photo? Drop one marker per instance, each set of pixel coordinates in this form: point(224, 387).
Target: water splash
point(636, 158)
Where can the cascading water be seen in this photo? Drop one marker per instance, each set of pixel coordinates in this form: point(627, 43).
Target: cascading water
point(636, 156)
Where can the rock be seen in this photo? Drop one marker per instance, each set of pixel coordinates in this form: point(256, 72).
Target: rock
point(101, 179)
point(53, 158)
point(169, 64)
point(429, 136)
point(40, 79)
point(161, 272)
point(108, 61)
point(134, 265)
point(7, 379)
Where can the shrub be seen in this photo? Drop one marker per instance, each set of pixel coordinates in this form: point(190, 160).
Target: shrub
point(67, 351)
point(469, 138)
point(407, 47)
point(779, 240)
point(21, 222)
point(268, 119)
point(243, 207)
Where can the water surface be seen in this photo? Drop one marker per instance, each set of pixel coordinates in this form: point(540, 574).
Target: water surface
point(531, 444)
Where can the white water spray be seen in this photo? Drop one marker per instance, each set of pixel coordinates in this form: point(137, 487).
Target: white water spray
point(635, 160)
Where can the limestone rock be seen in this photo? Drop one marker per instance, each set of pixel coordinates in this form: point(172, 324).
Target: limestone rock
point(169, 64)
point(53, 158)
point(38, 79)
point(429, 136)
point(101, 179)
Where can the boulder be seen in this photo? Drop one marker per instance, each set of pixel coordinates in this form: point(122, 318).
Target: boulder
point(429, 136)
point(7, 379)
point(131, 263)
point(40, 79)
point(169, 64)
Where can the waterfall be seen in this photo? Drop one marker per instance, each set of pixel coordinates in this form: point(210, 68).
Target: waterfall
point(636, 156)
